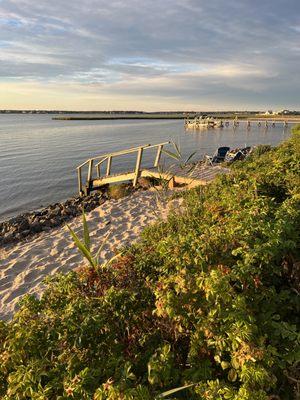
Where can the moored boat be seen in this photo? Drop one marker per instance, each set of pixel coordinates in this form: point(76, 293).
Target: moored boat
point(202, 122)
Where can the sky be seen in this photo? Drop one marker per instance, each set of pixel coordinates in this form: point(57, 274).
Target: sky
point(150, 54)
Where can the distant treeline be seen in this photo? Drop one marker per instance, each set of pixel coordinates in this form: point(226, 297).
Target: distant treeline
point(143, 114)
point(123, 112)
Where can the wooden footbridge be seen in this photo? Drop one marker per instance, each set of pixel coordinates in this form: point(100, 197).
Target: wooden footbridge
point(199, 174)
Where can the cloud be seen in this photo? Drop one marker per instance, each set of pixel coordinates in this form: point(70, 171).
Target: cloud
point(190, 51)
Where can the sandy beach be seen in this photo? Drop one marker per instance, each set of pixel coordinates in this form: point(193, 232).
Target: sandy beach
point(24, 265)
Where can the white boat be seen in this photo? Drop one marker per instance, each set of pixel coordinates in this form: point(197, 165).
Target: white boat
point(203, 122)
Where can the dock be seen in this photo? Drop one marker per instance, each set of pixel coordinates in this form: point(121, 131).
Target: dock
point(208, 123)
point(94, 177)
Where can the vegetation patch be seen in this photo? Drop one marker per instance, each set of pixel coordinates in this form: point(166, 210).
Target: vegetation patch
point(119, 191)
point(205, 306)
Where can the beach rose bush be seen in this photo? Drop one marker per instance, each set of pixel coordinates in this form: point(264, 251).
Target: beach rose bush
point(207, 301)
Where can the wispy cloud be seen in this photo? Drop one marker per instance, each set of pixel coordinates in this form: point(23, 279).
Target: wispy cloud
point(175, 52)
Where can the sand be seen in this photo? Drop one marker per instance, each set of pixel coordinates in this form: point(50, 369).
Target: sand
point(24, 265)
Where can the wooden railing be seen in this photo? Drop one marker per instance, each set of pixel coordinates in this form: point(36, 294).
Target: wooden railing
point(108, 159)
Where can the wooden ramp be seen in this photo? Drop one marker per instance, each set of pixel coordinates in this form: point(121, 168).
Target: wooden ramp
point(193, 175)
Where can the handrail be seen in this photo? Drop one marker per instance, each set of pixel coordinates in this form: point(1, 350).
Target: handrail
point(109, 156)
point(132, 150)
point(157, 145)
point(83, 164)
point(119, 153)
point(105, 156)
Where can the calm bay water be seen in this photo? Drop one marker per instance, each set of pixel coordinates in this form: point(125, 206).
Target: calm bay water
point(38, 156)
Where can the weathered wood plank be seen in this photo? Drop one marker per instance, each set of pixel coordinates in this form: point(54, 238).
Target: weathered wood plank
point(203, 177)
point(79, 176)
point(158, 155)
point(167, 176)
point(138, 166)
point(108, 168)
point(90, 171)
point(127, 176)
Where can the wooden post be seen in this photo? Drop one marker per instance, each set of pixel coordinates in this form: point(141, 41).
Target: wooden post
point(108, 165)
point(171, 183)
point(138, 165)
point(158, 155)
point(90, 172)
point(79, 181)
point(89, 177)
point(98, 170)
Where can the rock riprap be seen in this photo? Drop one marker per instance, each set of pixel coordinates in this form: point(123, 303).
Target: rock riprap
point(33, 222)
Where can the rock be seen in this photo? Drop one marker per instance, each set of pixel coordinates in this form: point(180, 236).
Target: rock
point(49, 217)
point(13, 229)
point(55, 213)
point(35, 227)
point(23, 225)
point(64, 212)
point(48, 223)
point(31, 219)
point(144, 183)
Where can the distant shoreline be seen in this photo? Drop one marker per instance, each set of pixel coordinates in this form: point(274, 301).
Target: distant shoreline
point(63, 115)
point(291, 118)
point(117, 117)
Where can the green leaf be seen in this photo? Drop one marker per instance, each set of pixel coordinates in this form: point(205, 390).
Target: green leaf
point(167, 393)
point(232, 375)
point(217, 359)
point(190, 157)
point(108, 262)
point(177, 149)
point(225, 364)
point(171, 154)
point(84, 251)
point(86, 234)
point(235, 363)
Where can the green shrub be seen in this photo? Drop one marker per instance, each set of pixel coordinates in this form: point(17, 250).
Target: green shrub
point(261, 149)
point(210, 297)
point(119, 191)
